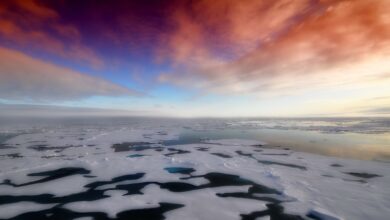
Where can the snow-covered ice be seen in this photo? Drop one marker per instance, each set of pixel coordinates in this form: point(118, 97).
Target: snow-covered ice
point(127, 172)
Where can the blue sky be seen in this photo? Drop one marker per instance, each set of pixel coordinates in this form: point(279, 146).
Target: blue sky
point(188, 59)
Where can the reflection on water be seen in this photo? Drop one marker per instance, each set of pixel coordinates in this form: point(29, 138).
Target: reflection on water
point(349, 145)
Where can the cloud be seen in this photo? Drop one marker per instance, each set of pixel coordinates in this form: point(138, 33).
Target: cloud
point(30, 24)
point(383, 110)
point(25, 78)
point(278, 47)
point(19, 110)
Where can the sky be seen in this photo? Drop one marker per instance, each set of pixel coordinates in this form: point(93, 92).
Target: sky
point(187, 58)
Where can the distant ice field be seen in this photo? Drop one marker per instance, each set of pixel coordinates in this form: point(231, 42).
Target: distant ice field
point(150, 168)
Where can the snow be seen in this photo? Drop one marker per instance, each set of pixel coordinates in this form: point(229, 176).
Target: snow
point(13, 209)
point(323, 189)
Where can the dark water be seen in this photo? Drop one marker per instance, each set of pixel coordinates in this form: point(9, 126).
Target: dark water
point(214, 179)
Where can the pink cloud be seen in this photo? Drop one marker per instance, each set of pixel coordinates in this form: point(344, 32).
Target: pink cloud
point(25, 78)
point(27, 24)
point(275, 45)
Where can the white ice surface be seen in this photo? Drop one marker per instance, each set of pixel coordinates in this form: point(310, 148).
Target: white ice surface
point(321, 188)
point(12, 210)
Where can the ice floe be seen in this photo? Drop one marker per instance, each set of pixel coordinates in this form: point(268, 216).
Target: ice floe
point(111, 172)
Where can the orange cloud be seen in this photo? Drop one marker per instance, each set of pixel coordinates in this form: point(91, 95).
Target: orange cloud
point(33, 7)
point(257, 46)
point(28, 23)
point(25, 78)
